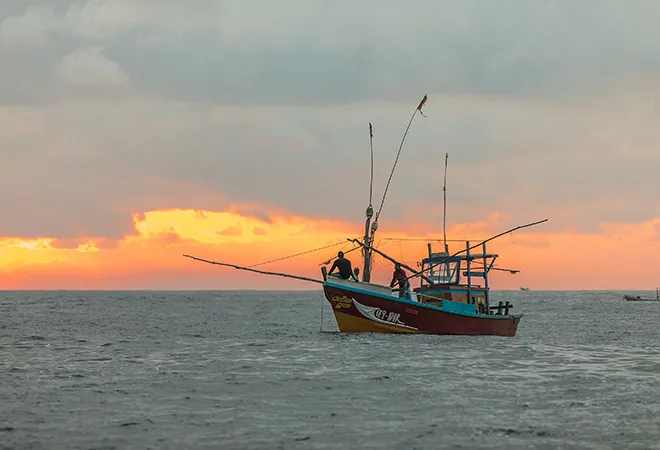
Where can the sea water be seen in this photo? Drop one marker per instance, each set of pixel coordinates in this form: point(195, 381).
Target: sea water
point(268, 370)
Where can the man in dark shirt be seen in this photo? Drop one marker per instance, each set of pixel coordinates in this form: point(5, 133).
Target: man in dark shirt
point(344, 266)
point(399, 277)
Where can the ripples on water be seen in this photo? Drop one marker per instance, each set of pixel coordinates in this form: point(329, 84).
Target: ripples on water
point(234, 370)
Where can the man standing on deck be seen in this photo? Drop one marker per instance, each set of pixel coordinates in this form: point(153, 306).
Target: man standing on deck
point(399, 277)
point(344, 266)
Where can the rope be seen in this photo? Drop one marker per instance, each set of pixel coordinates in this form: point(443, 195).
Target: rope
point(298, 254)
point(322, 302)
point(332, 258)
point(418, 109)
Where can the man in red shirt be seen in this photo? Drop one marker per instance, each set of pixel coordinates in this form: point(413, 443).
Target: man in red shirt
point(399, 277)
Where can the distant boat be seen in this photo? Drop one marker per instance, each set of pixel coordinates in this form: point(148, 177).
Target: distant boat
point(637, 298)
point(524, 289)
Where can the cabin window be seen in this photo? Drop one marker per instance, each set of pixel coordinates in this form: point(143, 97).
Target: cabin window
point(445, 273)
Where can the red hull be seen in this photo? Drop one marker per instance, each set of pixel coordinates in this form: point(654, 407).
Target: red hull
point(359, 311)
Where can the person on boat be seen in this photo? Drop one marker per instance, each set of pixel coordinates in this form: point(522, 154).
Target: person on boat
point(399, 277)
point(344, 267)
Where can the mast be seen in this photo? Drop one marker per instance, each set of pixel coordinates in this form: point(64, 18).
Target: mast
point(366, 251)
point(370, 231)
point(444, 205)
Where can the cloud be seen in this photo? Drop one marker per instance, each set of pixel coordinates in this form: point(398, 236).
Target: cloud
point(302, 53)
point(106, 19)
point(88, 167)
point(548, 109)
point(33, 28)
point(90, 66)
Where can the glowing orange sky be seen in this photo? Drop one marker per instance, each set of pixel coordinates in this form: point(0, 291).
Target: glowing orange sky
point(621, 256)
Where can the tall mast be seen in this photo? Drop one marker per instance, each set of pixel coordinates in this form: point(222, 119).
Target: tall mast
point(366, 270)
point(370, 231)
point(444, 214)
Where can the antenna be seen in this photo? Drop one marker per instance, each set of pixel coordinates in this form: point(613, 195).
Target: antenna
point(444, 214)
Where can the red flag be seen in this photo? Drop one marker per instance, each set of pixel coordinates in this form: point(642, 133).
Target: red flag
point(422, 104)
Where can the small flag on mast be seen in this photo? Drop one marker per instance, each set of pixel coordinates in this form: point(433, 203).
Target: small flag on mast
point(419, 108)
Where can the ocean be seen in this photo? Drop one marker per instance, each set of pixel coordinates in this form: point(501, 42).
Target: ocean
point(268, 370)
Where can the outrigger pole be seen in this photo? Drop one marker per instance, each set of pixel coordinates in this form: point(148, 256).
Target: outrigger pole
point(371, 249)
point(501, 269)
point(277, 274)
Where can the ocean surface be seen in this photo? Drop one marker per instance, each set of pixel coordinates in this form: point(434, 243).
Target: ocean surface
point(268, 370)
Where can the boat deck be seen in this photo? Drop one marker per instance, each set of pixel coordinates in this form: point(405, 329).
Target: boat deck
point(415, 298)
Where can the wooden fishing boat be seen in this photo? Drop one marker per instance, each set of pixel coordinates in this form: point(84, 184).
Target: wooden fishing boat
point(637, 298)
point(442, 304)
point(453, 296)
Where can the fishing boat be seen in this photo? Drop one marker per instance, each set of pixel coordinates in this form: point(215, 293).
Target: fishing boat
point(453, 297)
point(524, 289)
point(637, 298)
point(444, 303)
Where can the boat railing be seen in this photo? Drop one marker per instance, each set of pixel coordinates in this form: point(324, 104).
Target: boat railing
point(371, 287)
point(502, 308)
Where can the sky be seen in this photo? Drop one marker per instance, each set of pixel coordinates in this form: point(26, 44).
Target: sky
point(135, 131)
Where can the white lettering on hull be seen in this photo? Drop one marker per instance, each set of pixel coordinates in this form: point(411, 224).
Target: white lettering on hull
point(380, 315)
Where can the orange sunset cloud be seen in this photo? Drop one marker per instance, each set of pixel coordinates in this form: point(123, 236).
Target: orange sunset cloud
point(151, 256)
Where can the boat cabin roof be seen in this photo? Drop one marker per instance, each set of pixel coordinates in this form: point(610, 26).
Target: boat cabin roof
point(439, 258)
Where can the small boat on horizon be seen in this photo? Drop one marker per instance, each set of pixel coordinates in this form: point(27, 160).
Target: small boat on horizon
point(637, 298)
point(524, 289)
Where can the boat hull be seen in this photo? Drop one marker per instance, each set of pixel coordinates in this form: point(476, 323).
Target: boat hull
point(360, 311)
point(630, 298)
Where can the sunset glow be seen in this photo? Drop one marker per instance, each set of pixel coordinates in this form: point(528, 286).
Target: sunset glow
point(132, 132)
point(151, 256)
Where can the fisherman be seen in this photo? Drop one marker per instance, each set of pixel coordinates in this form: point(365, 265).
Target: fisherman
point(344, 266)
point(399, 277)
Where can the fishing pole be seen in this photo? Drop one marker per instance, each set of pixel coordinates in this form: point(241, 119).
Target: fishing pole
point(263, 272)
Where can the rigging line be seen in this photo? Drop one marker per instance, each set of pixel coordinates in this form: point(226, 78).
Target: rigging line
point(332, 258)
point(418, 109)
point(423, 239)
point(322, 302)
point(297, 254)
point(341, 249)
